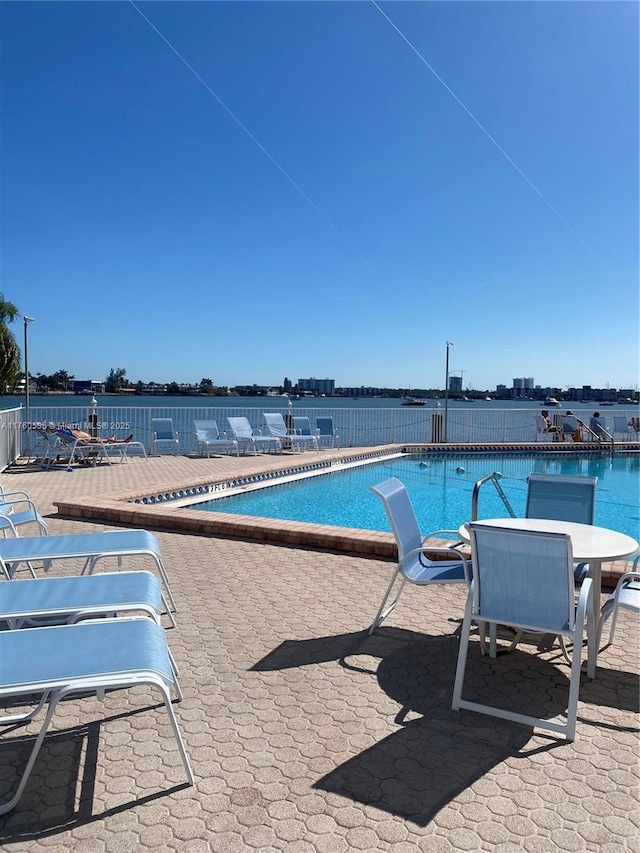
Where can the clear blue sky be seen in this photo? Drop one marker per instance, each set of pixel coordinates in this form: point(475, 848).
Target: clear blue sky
point(252, 190)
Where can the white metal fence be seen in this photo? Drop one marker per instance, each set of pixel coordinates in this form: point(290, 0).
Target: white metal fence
point(11, 435)
point(357, 427)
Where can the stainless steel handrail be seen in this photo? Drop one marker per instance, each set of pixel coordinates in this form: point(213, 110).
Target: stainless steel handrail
point(489, 478)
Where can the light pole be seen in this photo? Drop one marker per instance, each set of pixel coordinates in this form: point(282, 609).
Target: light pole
point(27, 320)
point(446, 391)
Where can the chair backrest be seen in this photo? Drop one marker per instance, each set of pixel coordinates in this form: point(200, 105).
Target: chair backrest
point(523, 578)
point(401, 515)
point(325, 426)
point(561, 497)
point(302, 425)
point(66, 438)
point(569, 424)
point(620, 424)
point(240, 427)
point(207, 430)
point(163, 428)
point(275, 424)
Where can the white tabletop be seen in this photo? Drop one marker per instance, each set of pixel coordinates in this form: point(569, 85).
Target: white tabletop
point(587, 541)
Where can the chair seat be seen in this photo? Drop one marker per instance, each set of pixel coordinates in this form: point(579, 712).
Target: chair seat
point(90, 594)
point(439, 571)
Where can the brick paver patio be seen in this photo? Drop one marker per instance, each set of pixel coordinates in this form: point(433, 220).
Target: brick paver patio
point(304, 733)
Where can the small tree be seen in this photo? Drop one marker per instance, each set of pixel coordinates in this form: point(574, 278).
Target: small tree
point(9, 349)
point(115, 380)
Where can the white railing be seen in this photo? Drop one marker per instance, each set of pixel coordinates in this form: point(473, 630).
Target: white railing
point(358, 427)
point(11, 438)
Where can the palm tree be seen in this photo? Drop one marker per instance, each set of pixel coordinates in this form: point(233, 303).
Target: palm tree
point(9, 349)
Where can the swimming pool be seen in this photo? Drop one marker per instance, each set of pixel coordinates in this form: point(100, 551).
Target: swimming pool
point(440, 489)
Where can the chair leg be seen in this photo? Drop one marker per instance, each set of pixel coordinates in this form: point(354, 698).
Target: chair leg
point(380, 615)
point(462, 656)
point(9, 804)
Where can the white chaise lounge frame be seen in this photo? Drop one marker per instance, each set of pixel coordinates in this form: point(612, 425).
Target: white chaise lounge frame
point(88, 657)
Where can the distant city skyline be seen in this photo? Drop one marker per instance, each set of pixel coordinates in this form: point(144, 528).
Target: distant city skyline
point(247, 191)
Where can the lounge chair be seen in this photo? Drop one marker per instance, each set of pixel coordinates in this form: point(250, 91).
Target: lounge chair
point(71, 599)
point(277, 428)
point(93, 656)
point(243, 433)
point(208, 439)
point(326, 433)
point(90, 547)
point(163, 435)
point(413, 563)
point(525, 580)
point(16, 510)
point(87, 450)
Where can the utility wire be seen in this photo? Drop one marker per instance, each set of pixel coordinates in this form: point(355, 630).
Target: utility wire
point(251, 136)
point(491, 138)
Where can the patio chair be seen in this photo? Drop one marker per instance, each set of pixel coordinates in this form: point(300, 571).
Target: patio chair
point(621, 426)
point(57, 662)
point(163, 435)
point(626, 596)
point(413, 564)
point(277, 428)
point(525, 580)
point(562, 497)
point(208, 439)
point(16, 510)
point(71, 599)
point(243, 433)
point(327, 435)
point(542, 431)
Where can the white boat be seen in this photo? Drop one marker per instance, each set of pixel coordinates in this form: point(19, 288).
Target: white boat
point(551, 402)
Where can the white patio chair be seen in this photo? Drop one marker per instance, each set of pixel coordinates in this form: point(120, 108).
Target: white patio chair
point(57, 662)
point(413, 564)
point(542, 431)
point(326, 433)
point(163, 435)
point(525, 580)
point(626, 596)
point(277, 428)
point(246, 437)
point(16, 510)
point(208, 438)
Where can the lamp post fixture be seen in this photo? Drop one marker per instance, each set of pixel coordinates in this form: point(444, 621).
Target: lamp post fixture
point(27, 320)
point(446, 391)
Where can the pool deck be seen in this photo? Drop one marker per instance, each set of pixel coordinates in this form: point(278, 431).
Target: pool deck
point(305, 734)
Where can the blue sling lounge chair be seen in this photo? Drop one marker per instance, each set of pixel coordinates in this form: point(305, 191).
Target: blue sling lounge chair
point(57, 662)
point(71, 599)
point(91, 547)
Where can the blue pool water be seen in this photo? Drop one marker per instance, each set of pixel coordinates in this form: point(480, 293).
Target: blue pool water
point(440, 489)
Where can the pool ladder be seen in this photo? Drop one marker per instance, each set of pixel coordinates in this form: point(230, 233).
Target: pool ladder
point(489, 478)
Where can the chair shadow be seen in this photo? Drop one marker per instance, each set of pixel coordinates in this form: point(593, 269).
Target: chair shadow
point(437, 753)
point(60, 791)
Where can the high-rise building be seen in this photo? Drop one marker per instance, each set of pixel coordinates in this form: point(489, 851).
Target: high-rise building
point(320, 386)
